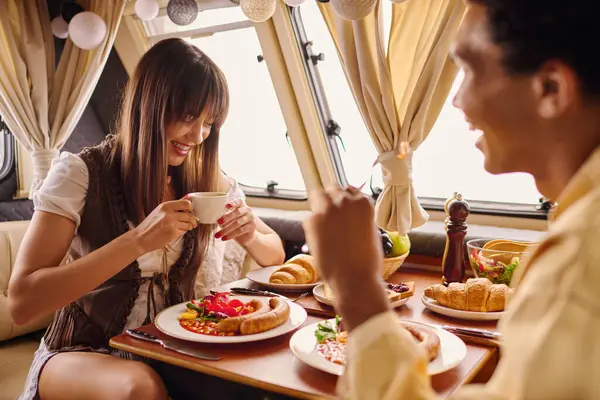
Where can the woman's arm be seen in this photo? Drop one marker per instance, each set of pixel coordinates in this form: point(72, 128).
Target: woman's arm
point(265, 247)
point(39, 284)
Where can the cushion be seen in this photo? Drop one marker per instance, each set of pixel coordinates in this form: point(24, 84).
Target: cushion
point(11, 235)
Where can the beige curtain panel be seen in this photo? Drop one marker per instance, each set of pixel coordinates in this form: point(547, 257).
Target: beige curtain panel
point(42, 104)
point(401, 91)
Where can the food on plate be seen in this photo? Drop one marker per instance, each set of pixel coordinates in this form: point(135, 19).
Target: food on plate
point(394, 244)
point(426, 337)
point(218, 315)
point(332, 340)
point(233, 323)
point(300, 269)
point(497, 259)
point(477, 294)
point(279, 313)
point(395, 292)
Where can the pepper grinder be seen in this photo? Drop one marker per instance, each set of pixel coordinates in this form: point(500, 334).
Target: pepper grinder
point(454, 261)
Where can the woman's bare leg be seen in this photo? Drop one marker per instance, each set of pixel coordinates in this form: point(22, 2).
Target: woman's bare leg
point(91, 376)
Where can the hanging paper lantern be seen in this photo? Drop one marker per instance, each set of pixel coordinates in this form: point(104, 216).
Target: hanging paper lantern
point(182, 12)
point(60, 28)
point(293, 3)
point(258, 10)
point(353, 9)
point(70, 10)
point(146, 10)
point(87, 30)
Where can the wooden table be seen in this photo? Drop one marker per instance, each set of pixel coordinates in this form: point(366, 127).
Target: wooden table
point(270, 364)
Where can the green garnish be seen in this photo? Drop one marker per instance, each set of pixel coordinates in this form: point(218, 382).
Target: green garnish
point(326, 331)
point(192, 306)
point(506, 276)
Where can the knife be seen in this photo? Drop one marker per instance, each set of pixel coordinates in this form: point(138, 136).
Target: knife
point(474, 332)
point(254, 292)
point(172, 345)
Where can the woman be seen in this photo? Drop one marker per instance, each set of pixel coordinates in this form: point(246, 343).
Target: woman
point(131, 243)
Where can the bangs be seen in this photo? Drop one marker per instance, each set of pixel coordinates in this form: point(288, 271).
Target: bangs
point(200, 89)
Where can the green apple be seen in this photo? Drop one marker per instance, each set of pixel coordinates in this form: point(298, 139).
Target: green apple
point(401, 244)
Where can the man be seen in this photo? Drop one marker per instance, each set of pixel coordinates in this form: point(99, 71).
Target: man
point(532, 86)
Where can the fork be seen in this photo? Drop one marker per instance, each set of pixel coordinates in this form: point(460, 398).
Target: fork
point(303, 295)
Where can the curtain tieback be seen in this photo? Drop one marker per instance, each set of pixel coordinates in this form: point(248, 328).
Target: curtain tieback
point(396, 171)
point(42, 160)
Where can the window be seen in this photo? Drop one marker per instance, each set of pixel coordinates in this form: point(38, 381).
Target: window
point(437, 171)
point(254, 147)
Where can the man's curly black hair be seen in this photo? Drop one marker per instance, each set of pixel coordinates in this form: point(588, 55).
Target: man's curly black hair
point(532, 32)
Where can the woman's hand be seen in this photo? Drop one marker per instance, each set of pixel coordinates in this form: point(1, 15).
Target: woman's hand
point(167, 222)
point(238, 224)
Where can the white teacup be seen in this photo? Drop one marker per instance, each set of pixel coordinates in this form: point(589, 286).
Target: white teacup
point(208, 206)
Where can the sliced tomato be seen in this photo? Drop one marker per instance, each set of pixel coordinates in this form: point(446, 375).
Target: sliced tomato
point(230, 311)
point(244, 311)
point(235, 303)
point(215, 307)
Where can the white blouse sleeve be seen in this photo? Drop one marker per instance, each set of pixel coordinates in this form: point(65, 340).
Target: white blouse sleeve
point(235, 192)
point(64, 190)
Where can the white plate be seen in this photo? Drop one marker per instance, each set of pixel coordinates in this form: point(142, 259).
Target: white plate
point(262, 275)
point(304, 345)
point(450, 312)
point(168, 322)
point(319, 294)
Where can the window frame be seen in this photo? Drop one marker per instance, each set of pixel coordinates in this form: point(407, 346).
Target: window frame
point(9, 164)
point(500, 209)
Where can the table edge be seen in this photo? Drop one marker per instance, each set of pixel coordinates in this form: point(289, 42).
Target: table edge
point(206, 369)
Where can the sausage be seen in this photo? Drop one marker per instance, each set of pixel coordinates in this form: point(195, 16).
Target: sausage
point(232, 324)
point(426, 337)
point(264, 322)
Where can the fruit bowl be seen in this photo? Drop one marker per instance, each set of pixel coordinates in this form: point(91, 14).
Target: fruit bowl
point(392, 264)
point(396, 248)
point(497, 259)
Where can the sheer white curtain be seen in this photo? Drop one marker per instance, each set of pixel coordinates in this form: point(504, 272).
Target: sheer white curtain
point(41, 104)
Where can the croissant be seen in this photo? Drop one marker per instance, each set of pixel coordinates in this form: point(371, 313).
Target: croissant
point(297, 270)
point(477, 294)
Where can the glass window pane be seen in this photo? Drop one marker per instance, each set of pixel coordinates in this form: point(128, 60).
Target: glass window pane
point(253, 148)
point(446, 161)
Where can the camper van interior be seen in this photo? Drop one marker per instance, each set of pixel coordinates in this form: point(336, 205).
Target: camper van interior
point(188, 190)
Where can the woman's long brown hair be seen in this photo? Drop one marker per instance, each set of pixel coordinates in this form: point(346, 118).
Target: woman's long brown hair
point(173, 81)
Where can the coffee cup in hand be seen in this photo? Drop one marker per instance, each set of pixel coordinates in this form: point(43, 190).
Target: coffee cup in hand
point(208, 207)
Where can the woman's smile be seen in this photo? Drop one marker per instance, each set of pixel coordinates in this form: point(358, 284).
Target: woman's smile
point(180, 148)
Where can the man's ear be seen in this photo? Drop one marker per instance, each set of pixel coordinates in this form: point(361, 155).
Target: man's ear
point(555, 87)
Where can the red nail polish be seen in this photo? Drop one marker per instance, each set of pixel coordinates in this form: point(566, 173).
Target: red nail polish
point(224, 238)
point(220, 221)
point(229, 206)
point(217, 235)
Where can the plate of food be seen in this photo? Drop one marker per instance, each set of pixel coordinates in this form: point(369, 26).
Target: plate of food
point(398, 294)
point(478, 299)
point(322, 345)
point(227, 318)
point(297, 274)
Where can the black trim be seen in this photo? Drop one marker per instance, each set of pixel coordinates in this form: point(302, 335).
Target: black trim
point(282, 194)
point(318, 92)
point(490, 208)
